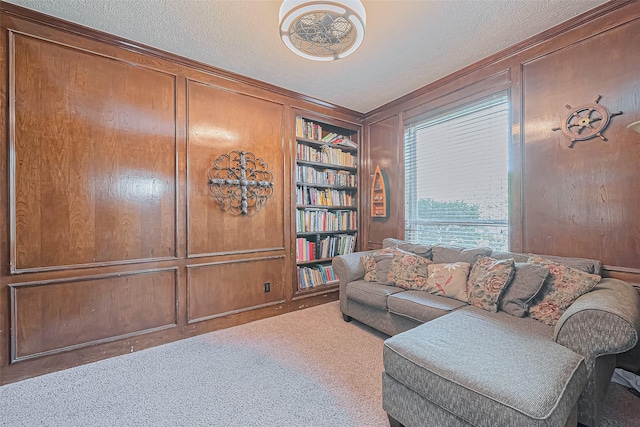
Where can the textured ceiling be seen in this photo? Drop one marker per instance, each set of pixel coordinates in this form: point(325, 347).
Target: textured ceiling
point(408, 43)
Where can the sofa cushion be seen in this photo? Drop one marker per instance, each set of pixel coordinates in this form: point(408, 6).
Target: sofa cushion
point(451, 254)
point(525, 285)
point(486, 373)
point(370, 294)
point(448, 280)
point(416, 248)
point(487, 280)
point(408, 271)
point(561, 288)
point(420, 305)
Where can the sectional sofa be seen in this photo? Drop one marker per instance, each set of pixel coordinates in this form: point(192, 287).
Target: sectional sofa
point(450, 362)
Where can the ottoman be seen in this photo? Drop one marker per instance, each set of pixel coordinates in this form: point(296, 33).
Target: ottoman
point(467, 368)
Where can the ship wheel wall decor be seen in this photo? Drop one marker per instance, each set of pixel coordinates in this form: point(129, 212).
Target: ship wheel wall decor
point(586, 121)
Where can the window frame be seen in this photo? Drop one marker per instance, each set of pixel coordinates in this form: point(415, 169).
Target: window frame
point(440, 112)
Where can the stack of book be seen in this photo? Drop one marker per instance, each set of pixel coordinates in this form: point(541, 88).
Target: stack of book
point(334, 138)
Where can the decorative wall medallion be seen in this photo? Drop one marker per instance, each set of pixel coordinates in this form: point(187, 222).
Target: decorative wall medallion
point(586, 121)
point(240, 182)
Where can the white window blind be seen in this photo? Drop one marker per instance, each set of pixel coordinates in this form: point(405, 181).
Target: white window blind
point(456, 176)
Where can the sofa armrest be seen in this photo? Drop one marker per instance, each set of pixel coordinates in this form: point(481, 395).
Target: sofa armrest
point(603, 321)
point(348, 268)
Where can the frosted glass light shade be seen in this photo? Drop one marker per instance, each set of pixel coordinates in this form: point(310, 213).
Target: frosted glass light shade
point(321, 30)
point(635, 126)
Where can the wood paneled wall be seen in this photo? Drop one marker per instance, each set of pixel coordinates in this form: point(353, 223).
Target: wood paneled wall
point(382, 150)
point(111, 239)
point(579, 201)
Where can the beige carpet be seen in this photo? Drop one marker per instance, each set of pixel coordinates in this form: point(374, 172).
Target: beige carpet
point(304, 368)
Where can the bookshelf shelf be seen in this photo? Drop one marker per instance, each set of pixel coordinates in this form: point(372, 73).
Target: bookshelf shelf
point(316, 290)
point(336, 207)
point(326, 165)
point(320, 144)
point(313, 233)
point(315, 261)
point(336, 187)
point(326, 204)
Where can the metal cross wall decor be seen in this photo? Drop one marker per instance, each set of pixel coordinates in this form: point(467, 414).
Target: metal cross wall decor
point(240, 182)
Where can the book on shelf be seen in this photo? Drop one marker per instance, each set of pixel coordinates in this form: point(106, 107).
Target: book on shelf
point(305, 250)
point(316, 275)
point(323, 197)
point(325, 154)
point(325, 248)
point(321, 220)
point(329, 137)
point(311, 175)
point(307, 129)
point(331, 246)
point(345, 142)
point(334, 138)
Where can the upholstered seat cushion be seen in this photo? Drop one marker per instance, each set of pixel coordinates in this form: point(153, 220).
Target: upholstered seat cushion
point(421, 305)
point(485, 372)
point(370, 294)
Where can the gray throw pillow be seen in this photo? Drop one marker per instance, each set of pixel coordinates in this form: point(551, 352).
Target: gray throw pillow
point(525, 285)
point(591, 266)
point(416, 248)
point(506, 255)
point(451, 254)
point(383, 267)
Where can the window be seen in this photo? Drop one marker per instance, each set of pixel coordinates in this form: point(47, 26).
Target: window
point(456, 176)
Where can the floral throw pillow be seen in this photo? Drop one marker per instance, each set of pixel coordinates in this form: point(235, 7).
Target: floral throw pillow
point(448, 280)
point(488, 280)
point(408, 270)
point(561, 288)
point(370, 261)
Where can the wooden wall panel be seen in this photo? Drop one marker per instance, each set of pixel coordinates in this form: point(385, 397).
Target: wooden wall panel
point(222, 288)
point(580, 201)
point(220, 121)
point(105, 197)
point(94, 171)
point(384, 144)
point(55, 316)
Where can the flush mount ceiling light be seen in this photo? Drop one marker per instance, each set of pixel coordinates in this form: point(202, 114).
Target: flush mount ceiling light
point(322, 30)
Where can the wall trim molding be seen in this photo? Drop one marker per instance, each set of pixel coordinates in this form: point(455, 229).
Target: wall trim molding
point(14, 357)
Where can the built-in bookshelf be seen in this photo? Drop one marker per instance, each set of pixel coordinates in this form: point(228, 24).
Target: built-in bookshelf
point(326, 213)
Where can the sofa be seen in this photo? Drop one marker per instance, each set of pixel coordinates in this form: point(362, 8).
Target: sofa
point(440, 366)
